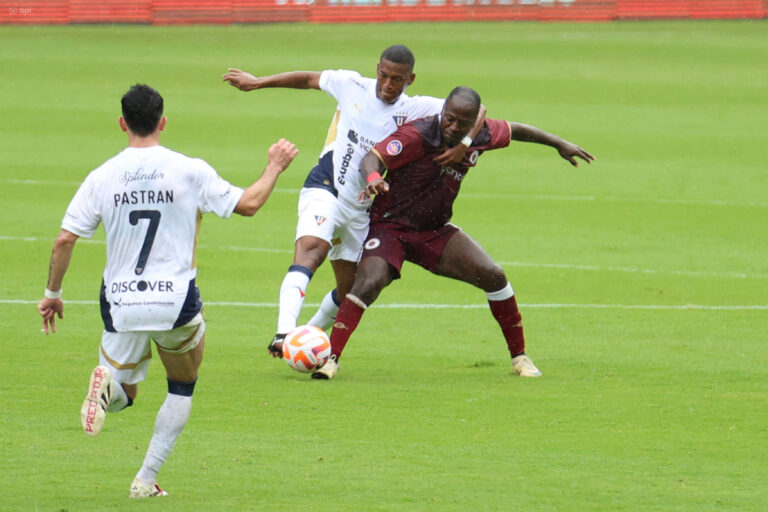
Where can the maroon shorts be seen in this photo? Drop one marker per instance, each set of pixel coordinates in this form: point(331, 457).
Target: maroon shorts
point(395, 244)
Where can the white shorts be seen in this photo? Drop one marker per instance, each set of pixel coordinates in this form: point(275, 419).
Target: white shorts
point(127, 354)
point(323, 216)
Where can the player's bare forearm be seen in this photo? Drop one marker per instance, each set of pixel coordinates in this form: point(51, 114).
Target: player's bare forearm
point(479, 122)
point(60, 258)
point(280, 156)
point(568, 150)
point(291, 80)
point(371, 168)
point(61, 255)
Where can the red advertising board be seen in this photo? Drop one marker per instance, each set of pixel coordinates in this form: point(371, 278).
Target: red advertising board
point(164, 12)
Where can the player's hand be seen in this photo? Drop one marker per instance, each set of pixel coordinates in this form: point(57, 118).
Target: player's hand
point(569, 151)
point(452, 155)
point(48, 309)
point(240, 79)
point(378, 186)
point(282, 153)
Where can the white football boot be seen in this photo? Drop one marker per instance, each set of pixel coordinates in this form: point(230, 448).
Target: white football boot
point(328, 370)
point(524, 367)
point(94, 409)
point(139, 490)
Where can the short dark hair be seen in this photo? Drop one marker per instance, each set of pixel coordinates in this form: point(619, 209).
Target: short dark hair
point(142, 109)
point(399, 54)
point(466, 93)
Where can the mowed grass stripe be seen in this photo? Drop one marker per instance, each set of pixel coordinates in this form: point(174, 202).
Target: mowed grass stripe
point(564, 266)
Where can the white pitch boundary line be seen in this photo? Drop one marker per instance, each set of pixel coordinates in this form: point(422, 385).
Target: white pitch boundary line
point(673, 307)
point(480, 195)
point(566, 266)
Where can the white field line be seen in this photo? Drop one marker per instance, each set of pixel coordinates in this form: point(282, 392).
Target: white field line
point(540, 197)
point(274, 305)
point(566, 266)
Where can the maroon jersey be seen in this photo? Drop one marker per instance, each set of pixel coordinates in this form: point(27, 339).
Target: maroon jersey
point(421, 193)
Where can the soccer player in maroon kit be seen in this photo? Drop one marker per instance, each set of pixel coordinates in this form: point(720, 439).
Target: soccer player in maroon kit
point(410, 218)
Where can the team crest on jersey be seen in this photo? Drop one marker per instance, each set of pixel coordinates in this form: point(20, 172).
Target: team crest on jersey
point(400, 119)
point(394, 147)
point(320, 220)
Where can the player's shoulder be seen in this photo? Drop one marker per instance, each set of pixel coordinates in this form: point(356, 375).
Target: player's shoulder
point(426, 124)
point(344, 78)
point(187, 162)
point(428, 129)
point(420, 106)
point(431, 100)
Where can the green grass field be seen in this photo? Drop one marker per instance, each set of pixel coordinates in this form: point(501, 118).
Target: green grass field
point(642, 278)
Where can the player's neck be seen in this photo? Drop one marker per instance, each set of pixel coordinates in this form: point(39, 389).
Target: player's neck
point(134, 141)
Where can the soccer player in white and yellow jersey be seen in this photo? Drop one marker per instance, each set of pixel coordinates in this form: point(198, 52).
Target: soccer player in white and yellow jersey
point(150, 200)
point(332, 222)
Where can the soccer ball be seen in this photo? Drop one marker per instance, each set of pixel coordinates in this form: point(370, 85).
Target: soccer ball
point(306, 348)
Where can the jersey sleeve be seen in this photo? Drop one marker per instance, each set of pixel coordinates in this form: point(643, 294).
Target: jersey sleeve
point(217, 194)
point(334, 82)
point(400, 148)
point(82, 216)
point(500, 133)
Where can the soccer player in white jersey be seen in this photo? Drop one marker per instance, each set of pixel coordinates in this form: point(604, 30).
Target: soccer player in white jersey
point(150, 200)
point(332, 222)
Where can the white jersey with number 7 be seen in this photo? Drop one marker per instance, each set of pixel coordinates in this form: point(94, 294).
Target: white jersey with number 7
point(150, 201)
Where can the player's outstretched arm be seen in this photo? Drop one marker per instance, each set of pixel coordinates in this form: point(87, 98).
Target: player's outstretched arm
point(292, 80)
point(52, 305)
point(568, 150)
point(279, 157)
point(456, 154)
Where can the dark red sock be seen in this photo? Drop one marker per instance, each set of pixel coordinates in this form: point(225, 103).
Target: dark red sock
point(346, 322)
point(511, 321)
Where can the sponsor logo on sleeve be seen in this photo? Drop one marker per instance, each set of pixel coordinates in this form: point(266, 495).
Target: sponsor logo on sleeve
point(394, 147)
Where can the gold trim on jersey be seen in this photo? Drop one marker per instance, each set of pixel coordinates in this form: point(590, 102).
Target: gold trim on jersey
point(330, 138)
point(128, 366)
point(198, 223)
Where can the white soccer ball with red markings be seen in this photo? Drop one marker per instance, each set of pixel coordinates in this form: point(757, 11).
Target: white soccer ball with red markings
point(306, 348)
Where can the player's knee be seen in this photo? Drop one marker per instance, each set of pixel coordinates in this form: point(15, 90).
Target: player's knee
point(368, 287)
point(181, 388)
point(310, 256)
point(492, 278)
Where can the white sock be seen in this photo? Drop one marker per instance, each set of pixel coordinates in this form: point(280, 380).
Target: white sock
point(119, 399)
point(171, 418)
point(326, 315)
point(292, 293)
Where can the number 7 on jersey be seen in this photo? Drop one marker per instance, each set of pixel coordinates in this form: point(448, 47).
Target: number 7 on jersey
point(154, 220)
